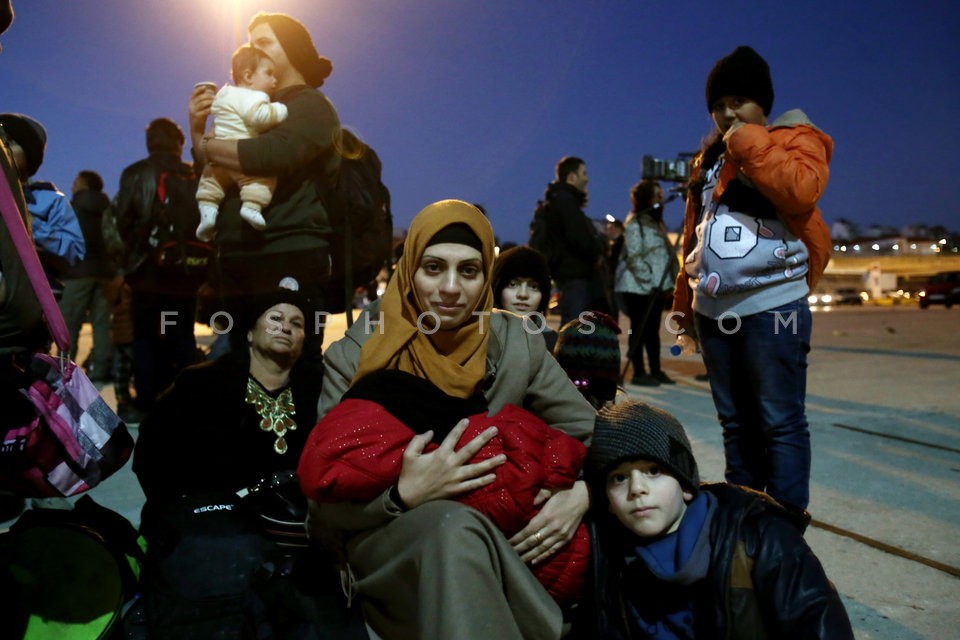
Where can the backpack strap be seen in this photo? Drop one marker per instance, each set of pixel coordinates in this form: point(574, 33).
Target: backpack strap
point(31, 264)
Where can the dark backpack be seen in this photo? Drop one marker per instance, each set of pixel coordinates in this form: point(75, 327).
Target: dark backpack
point(223, 567)
point(176, 249)
point(204, 554)
point(358, 207)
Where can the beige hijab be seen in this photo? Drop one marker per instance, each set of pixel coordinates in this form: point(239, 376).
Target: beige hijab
point(452, 359)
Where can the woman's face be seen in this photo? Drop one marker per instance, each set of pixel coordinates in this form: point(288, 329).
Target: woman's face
point(263, 38)
point(729, 109)
point(449, 282)
point(521, 295)
point(279, 331)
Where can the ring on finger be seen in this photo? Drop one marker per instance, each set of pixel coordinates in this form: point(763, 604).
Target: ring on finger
point(538, 537)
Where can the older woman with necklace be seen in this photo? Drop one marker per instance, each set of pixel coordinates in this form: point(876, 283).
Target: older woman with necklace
point(226, 424)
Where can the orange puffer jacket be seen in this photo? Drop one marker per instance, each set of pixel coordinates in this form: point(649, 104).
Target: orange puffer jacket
point(788, 163)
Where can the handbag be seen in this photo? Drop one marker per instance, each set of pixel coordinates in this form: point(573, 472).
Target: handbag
point(65, 439)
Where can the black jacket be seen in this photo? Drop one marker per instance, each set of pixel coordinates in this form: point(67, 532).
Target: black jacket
point(763, 580)
point(203, 437)
point(131, 218)
point(576, 245)
point(89, 206)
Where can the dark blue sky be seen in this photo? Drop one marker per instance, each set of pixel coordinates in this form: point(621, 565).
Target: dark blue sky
point(478, 99)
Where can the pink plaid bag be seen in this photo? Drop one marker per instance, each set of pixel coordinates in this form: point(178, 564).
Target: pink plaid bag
point(71, 440)
point(74, 441)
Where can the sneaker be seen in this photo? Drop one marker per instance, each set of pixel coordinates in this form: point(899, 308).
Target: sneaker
point(663, 378)
point(644, 380)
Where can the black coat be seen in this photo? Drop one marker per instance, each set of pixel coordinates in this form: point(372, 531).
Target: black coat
point(89, 206)
point(203, 437)
point(576, 244)
point(776, 588)
point(132, 218)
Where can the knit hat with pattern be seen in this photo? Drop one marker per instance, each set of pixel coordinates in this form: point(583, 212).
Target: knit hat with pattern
point(588, 349)
point(742, 73)
point(634, 430)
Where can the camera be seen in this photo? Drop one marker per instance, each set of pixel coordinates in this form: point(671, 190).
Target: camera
point(677, 170)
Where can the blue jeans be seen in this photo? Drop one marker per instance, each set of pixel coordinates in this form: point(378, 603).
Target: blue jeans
point(758, 377)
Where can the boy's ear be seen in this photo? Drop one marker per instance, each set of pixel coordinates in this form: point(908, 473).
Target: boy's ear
point(247, 75)
point(687, 497)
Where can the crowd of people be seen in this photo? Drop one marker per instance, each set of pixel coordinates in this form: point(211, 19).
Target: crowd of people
point(467, 470)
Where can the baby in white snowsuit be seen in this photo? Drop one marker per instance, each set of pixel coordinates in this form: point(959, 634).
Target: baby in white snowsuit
point(241, 110)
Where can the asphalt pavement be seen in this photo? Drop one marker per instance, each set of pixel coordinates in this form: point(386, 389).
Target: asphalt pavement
point(883, 403)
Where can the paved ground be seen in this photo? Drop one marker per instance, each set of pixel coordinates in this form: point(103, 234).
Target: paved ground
point(884, 410)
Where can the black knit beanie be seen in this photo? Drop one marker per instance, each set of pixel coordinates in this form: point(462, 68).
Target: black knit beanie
point(634, 430)
point(297, 44)
point(29, 134)
point(521, 262)
point(742, 73)
point(588, 350)
point(286, 292)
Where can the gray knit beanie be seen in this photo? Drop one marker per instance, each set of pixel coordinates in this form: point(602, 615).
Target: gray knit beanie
point(634, 430)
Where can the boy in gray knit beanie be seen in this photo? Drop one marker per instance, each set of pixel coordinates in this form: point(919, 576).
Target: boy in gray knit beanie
point(673, 558)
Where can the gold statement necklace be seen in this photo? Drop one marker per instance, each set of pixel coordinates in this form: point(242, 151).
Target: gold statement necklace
point(275, 413)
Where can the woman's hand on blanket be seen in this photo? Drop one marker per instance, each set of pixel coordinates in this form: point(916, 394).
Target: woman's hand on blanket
point(444, 472)
point(553, 527)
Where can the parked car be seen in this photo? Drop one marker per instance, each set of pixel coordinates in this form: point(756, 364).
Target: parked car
point(836, 297)
point(943, 288)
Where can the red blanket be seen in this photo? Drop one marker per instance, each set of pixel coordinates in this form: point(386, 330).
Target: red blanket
point(355, 452)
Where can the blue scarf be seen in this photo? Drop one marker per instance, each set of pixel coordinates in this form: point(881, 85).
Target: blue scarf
point(679, 560)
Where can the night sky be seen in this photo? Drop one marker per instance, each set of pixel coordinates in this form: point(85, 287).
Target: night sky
point(478, 99)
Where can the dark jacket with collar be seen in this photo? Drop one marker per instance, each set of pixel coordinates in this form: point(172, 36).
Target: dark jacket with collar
point(131, 218)
point(576, 244)
point(764, 581)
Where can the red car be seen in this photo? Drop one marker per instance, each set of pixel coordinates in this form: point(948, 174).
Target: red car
point(943, 288)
